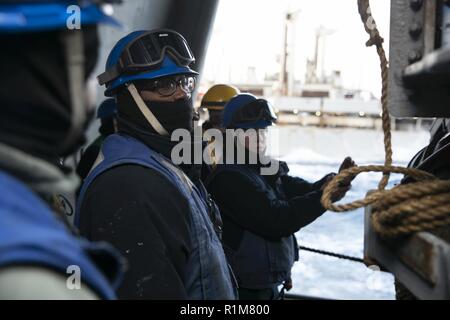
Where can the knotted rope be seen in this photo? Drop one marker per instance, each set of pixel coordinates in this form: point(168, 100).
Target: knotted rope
point(418, 206)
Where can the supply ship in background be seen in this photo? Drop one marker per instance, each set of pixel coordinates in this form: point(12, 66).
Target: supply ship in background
point(312, 110)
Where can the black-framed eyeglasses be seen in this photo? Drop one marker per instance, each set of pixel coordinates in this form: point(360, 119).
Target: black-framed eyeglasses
point(168, 86)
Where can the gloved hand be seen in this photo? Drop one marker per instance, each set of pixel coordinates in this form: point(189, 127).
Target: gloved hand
point(347, 164)
point(344, 186)
point(288, 284)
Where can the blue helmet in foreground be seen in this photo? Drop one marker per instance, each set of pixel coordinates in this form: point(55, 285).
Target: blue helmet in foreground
point(36, 16)
point(246, 111)
point(22, 17)
point(146, 55)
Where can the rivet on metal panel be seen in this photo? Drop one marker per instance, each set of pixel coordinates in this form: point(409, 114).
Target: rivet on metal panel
point(414, 56)
point(416, 5)
point(415, 29)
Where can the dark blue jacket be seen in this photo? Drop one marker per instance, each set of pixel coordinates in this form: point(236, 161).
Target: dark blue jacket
point(261, 215)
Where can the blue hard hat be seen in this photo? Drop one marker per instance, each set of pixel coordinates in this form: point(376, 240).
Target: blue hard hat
point(44, 15)
point(168, 66)
point(107, 109)
point(237, 103)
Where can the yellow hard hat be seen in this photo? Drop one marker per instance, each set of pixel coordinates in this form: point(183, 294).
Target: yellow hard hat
point(218, 95)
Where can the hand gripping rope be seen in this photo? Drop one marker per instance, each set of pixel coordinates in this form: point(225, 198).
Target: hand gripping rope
point(422, 205)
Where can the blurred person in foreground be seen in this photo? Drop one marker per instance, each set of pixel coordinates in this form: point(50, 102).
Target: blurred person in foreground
point(43, 113)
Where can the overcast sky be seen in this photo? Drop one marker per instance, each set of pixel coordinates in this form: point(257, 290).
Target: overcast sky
point(249, 33)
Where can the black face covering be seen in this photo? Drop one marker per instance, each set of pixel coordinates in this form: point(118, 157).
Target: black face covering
point(178, 114)
point(173, 115)
point(35, 112)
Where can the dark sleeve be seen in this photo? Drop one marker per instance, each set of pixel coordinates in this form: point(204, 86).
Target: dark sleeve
point(146, 218)
point(87, 160)
point(294, 186)
point(248, 204)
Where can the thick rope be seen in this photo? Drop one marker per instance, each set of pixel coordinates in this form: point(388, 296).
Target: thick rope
point(419, 206)
point(375, 39)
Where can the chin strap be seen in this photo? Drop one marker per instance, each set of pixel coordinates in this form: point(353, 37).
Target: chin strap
point(146, 111)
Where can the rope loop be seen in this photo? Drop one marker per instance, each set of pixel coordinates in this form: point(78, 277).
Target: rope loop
point(422, 205)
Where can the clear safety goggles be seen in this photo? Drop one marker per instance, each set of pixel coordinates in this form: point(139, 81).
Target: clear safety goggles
point(168, 86)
